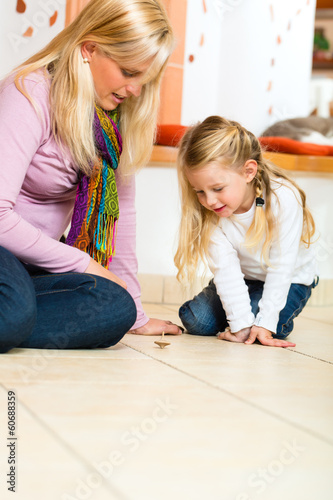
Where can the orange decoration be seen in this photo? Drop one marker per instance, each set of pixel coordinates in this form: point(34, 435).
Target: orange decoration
point(289, 26)
point(191, 58)
point(269, 86)
point(29, 31)
point(270, 111)
point(278, 39)
point(202, 40)
point(272, 11)
point(53, 18)
point(298, 12)
point(204, 6)
point(272, 62)
point(20, 6)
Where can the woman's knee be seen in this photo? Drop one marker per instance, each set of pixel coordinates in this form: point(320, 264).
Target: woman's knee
point(18, 309)
point(17, 320)
point(119, 317)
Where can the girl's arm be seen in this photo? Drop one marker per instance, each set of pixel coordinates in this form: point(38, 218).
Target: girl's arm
point(224, 263)
point(265, 338)
point(249, 335)
point(234, 295)
point(283, 259)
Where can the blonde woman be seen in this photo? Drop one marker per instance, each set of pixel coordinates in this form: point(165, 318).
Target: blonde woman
point(76, 119)
point(252, 224)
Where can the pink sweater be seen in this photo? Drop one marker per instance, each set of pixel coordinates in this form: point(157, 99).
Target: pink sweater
point(37, 192)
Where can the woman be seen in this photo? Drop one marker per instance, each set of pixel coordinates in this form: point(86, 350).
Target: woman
point(68, 116)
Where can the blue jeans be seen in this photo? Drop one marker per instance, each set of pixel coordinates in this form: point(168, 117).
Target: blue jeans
point(60, 311)
point(204, 314)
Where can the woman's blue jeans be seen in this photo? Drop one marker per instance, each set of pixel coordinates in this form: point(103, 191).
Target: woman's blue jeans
point(60, 311)
point(204, 314)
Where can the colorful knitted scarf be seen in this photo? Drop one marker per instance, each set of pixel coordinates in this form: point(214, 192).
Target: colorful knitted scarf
point(96, 209)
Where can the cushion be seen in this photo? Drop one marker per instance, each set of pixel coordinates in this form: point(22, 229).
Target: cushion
point(170, 135)
point(290, 146)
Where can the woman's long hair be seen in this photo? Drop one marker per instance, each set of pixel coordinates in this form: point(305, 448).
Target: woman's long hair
point(228, 143)
point(131, 32)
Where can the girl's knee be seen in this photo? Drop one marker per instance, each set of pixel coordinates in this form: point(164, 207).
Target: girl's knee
point(197, 321)
point(284, 329)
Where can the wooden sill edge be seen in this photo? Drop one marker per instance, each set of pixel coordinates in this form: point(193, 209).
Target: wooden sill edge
point(165, 156)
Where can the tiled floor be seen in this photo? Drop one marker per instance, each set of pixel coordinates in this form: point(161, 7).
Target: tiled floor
point(200, 419)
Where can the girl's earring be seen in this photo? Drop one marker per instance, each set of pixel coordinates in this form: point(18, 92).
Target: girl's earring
point(85, 60)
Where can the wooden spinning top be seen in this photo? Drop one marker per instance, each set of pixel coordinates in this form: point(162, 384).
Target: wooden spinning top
point(162, 343)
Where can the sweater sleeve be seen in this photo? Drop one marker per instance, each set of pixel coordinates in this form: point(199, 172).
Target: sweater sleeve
point(22, 131)
point(124, 264)
point(229, 280)
point(283, 256)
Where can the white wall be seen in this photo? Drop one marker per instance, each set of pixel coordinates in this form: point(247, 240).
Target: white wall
point(158, 215)
point(318, 189)
point(255, 63)
point(15, 48)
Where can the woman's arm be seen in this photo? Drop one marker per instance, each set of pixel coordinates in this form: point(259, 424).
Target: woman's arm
point(34, 202)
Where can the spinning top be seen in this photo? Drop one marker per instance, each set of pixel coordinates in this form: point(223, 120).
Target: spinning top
point(161, 343)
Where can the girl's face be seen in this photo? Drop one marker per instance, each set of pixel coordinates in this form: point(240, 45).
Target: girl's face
point(223, 190)
point(113, 83)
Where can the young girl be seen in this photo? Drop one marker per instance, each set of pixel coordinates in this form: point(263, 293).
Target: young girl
point(252, 224)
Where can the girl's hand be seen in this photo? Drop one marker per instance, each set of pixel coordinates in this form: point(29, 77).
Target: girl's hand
point(157, 327)
point(265, 338)
point(240, 336)
point(99, 270)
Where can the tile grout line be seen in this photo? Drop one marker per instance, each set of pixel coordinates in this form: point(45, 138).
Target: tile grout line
point(240, 398)
point(83, 461)
point(310, 356)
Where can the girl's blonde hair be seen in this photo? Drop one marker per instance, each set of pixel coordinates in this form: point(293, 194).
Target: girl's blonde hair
point(231, 145)
point(130, 32)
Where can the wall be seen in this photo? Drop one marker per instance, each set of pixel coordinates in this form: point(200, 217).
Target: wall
point(248, 61)
point(26, 26)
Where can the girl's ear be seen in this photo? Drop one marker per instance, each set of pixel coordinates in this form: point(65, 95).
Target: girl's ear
point(250, 170)
point(87, 50)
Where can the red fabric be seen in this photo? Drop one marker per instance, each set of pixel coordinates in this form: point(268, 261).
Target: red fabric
point(285, 145)
point(170, 135)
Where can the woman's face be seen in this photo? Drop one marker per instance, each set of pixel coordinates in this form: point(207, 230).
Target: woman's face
point(113, 83)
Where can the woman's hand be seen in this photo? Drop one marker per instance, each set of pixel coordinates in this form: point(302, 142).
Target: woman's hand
point(240, 336)
point(99, 270)
point(265, 338)
point(157, 327)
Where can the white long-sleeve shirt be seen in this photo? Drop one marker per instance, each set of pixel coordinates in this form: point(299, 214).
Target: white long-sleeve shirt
point(290, 261)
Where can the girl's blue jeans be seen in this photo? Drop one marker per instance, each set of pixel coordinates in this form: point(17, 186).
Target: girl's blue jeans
point(60, 311)
point(204, 314)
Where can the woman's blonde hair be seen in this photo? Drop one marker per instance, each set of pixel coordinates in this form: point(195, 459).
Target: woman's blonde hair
point(231, 145)
point(131, 32)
